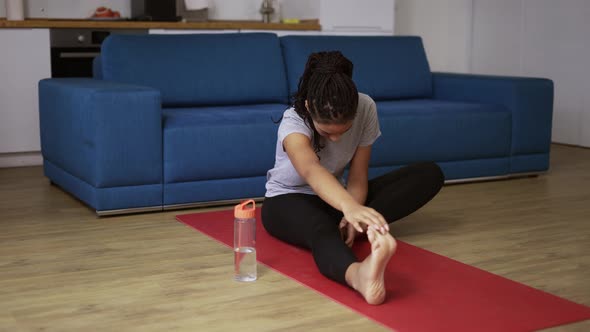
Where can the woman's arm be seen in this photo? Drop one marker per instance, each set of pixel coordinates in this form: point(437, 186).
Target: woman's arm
point(326, 186)
point(357, 186)
point(358, 175)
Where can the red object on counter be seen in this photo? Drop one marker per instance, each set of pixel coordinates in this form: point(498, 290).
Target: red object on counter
point(106, 12)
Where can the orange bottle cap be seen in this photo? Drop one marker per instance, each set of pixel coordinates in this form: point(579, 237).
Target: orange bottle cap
point(240, 210)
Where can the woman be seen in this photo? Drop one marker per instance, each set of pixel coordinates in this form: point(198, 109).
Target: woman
point(307, 201)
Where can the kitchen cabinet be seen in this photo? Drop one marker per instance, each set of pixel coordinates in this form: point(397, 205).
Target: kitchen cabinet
point(281, 33)
point(353, 17)
point(184, 31)
point(25, 58)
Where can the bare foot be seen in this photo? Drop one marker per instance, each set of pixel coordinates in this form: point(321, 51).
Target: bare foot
point(367, 277)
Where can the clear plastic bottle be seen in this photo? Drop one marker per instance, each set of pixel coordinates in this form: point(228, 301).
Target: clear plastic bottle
point(245, 241)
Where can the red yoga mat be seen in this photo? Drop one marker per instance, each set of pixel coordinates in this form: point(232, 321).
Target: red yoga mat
point(425, 291)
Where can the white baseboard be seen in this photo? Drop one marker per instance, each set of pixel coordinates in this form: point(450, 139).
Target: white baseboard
point(20, 159)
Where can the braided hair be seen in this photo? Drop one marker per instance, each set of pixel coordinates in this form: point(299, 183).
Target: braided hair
point(331, 95)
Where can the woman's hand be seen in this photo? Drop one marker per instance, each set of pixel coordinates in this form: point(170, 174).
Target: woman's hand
point(348, 232)
point(356, 214)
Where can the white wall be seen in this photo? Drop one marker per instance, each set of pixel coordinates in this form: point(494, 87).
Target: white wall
point(303, 9)
point(497, 34)
point(556, 44)
point(444, 26)
point(542, 38)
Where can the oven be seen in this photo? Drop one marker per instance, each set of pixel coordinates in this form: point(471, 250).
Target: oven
point(73, 50)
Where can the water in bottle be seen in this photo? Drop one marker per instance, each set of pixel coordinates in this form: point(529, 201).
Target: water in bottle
point(245, 241)
point(245, 260)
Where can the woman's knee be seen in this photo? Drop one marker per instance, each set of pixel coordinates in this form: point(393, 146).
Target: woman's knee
point(431, 173)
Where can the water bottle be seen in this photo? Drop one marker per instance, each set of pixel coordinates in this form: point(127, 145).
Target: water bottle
point(245, 241)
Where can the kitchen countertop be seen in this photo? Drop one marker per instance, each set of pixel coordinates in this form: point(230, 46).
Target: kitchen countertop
point(123, 24)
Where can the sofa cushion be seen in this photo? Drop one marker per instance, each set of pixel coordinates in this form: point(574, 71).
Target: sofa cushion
point(385, 67)
point(220, 142)
point(425, 129)
point(200, 69)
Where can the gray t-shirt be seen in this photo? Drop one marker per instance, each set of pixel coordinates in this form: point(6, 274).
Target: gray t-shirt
point(284, 179)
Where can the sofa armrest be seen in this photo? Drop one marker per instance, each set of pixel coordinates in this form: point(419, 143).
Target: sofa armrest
point(97, 68)
point(529, 99)
point(106, 134)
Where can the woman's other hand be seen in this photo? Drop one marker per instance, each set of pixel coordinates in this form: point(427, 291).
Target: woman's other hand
point(348, 232)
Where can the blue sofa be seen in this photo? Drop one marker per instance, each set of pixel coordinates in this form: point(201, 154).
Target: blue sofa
point(173, 121)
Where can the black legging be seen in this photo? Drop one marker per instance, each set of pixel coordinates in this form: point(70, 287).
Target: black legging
point(307, 221)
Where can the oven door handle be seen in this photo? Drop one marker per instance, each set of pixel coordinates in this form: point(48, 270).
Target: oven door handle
point(71, 55)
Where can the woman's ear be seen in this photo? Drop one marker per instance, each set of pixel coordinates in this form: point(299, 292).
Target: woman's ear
point(307, 106)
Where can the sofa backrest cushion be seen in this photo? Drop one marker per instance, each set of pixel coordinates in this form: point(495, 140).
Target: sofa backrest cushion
point(385, 67)
point(200, 69)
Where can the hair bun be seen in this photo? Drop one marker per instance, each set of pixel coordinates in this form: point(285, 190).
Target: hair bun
point(331, 62)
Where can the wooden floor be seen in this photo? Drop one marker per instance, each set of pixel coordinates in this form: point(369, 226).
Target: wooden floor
point(64, 269)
